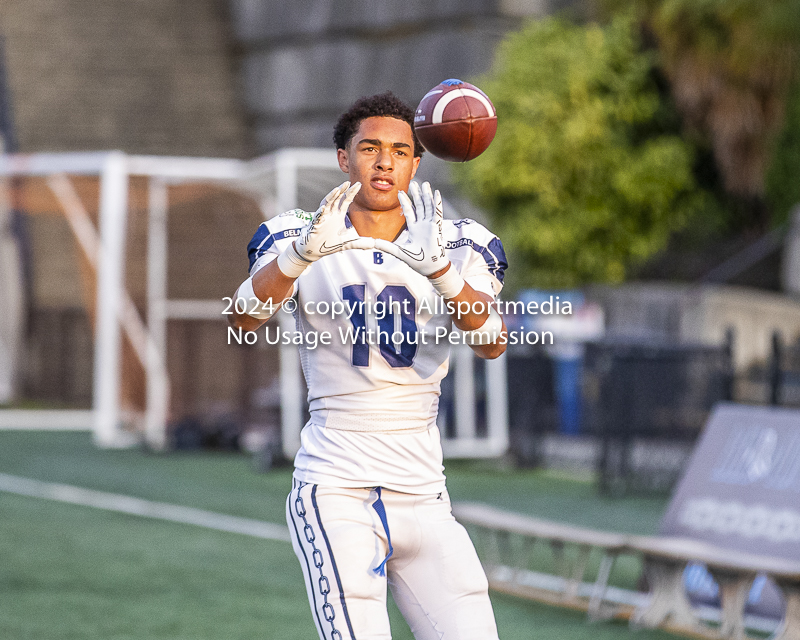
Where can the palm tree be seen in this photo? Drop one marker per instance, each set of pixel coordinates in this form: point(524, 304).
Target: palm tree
point(730, 64)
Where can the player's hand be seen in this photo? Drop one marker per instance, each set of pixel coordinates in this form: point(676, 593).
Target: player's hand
point(323, 235)
point(424, 250)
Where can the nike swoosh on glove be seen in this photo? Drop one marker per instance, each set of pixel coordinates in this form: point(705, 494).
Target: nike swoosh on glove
point(424, 250)
point(326, 232)
point(323, 234)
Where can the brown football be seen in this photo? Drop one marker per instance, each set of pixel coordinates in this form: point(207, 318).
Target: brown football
point(455, 121)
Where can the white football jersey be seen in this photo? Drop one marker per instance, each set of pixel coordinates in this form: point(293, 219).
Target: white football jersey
point(373, 389)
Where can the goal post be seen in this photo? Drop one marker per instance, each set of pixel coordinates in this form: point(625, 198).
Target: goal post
point(135, 192)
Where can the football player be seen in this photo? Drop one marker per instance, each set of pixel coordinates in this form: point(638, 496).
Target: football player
point(369, 505)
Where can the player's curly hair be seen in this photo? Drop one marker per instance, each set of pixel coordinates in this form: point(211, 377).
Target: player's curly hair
point(381, 105)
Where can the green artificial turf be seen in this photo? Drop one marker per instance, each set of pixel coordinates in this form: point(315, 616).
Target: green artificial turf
point(552, 496)
point(226, 482)
point(76, 573)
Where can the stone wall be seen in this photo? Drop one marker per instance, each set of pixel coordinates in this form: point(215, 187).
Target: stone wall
point(303, 63)
point(143, 76)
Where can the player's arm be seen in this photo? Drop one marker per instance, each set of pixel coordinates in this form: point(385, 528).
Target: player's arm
point(426, 255)
point(262, 294)
point(481, 320)
point(269, 284)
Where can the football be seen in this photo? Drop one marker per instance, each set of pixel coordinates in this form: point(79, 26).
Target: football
point(455, 121)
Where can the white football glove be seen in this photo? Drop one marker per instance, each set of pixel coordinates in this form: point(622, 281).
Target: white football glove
point(424, 250)
point(323, 235)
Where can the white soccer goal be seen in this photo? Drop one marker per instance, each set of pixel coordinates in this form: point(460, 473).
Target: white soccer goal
point(284, 180)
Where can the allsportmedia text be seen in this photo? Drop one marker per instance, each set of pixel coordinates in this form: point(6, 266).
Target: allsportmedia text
point(312, 339)
point(380, 308)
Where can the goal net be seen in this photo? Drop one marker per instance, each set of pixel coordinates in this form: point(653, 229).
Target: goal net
point(129, 261)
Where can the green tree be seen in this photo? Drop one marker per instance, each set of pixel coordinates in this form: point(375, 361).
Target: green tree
point(783, 177)
point(730, 64)
point(580, 184)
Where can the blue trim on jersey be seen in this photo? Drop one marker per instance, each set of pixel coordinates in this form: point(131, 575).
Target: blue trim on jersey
point(496, 248)
point(333, 561)
point(494, 255)
point(263, 240)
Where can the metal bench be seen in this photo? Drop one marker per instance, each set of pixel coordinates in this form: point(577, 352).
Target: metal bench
point(664, 561)
point(507, 568)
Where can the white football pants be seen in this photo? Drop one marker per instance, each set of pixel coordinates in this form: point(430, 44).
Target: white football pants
point(436, 578)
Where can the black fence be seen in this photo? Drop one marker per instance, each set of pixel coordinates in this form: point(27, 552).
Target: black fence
point(784, 373)
point(648, 404)
point(532, 405)
point(642, 406)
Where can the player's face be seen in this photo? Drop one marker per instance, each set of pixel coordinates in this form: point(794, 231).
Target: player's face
point(381, 157)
